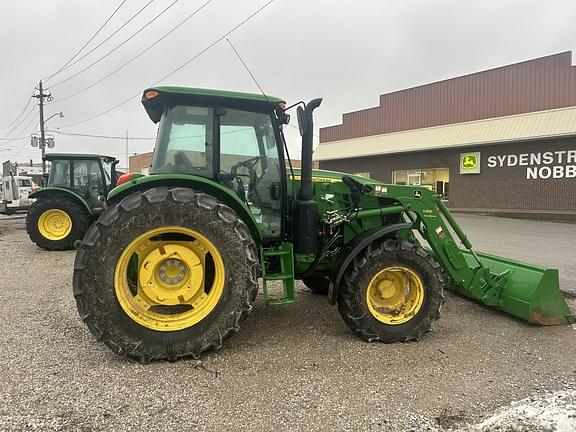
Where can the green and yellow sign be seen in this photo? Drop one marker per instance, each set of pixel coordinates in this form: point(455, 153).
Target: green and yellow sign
point(470, 163)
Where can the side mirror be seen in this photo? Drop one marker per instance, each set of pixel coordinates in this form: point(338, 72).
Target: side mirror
point(283, 117)
point(302, 122)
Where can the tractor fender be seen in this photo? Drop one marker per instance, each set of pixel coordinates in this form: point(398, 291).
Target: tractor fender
point(66, 192)
point(200, 184)
point(354, 248)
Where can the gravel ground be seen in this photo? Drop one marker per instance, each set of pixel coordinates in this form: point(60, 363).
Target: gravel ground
point(289, 368)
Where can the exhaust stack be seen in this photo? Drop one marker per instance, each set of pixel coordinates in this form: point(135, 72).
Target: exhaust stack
point(306, 214)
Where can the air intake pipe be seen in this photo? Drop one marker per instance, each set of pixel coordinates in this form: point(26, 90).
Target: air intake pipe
point(306, 216)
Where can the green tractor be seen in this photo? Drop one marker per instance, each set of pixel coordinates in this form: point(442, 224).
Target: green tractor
point(173, 264)
point(73, 198)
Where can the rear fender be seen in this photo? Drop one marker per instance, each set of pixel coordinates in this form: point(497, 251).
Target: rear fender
point(201, 184)
point(55, 191)
point(354, 248)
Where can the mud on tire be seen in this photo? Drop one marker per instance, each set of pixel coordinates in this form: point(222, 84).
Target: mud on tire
point(352, 299)
point(96, 260)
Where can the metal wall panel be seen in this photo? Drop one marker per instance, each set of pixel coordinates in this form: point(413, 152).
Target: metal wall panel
point(535, 85)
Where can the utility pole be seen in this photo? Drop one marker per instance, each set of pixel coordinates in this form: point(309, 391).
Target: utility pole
point(41, 96)
point(127, 157)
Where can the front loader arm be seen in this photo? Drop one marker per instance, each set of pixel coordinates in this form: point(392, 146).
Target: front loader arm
point(435, 223)
point(529, 292)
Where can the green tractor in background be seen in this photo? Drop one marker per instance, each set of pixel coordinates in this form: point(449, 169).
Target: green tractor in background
point(172, 266)
point(74, 197)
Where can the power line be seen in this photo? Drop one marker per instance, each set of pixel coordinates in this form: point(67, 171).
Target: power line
point(216, 41)
point(22, 120)
point(19, 149)
point(148, 48)
point(110, 36)
point(124, 138)
point(101, 136)
point(177, 69)
point(117, 47)
point(15, 139)
point(86, 44)
point(18, 116)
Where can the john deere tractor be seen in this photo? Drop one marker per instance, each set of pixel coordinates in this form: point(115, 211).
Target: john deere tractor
point(74, 197)
point(172, 266)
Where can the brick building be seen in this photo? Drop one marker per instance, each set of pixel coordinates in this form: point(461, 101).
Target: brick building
point(500, 141)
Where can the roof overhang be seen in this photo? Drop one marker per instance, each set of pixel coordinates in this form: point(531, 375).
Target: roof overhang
point(500, 130)
point(167, 96)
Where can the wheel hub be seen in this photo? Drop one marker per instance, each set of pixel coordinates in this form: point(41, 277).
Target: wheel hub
point(394, 295)
point(172, 271)
point(166, 284)
point(386, 289)
point(54, 224)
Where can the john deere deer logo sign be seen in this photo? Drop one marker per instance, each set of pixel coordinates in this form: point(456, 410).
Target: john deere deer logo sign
point(470, 163)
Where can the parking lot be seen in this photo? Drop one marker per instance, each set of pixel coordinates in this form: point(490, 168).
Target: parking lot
point(295, 367)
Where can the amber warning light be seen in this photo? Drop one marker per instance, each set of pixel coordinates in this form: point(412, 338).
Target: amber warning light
point(151, 94)
point(124, 178)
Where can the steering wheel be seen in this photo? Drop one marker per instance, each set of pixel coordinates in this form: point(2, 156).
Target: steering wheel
point(248, 163)
point(94, 184)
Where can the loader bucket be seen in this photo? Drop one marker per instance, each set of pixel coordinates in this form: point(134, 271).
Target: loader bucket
point(528, 292)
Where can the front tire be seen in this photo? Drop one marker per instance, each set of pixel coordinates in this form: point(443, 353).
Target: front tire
point(392, 292)
point(56, 223)
point(165, 274)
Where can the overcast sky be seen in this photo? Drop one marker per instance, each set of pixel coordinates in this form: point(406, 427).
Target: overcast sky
point(347, 52)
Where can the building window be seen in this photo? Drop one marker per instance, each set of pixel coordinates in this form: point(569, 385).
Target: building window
point(400, 177)
point(435, 179)
point(363, 174)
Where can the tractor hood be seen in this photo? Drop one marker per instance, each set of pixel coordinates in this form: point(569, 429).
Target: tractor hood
point(325, 176)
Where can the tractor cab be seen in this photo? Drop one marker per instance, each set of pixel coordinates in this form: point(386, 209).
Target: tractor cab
point(90, 176)
point(228, 137)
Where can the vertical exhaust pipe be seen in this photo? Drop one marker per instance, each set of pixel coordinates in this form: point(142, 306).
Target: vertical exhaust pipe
point(306, 216)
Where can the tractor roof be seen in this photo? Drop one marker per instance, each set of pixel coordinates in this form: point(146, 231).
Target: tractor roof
point(55, 156)
point(169, 95)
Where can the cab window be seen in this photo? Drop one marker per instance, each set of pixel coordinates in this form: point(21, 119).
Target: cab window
point(59, 174)
point(185, 141)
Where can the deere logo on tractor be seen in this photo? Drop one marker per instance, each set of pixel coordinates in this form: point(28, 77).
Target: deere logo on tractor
point(176, 261)
point(470, 163)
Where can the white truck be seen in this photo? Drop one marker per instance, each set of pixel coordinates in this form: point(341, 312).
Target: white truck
point(14, 192)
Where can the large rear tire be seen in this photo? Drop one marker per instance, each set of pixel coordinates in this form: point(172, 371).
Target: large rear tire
point(165, 274)
point(392, 292)
point(56, 222)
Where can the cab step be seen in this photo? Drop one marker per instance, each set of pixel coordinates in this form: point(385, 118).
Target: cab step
point(281, 258)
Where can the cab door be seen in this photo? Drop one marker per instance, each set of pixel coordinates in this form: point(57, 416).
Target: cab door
point(249, 163)
point(87, 181)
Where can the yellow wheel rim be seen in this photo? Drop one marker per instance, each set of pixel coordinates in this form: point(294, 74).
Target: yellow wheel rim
point(395, 295)
point(54, 224)
point(169, 278)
